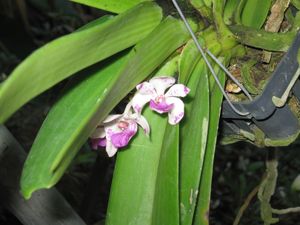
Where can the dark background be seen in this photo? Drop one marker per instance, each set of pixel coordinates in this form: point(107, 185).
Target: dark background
point(239, 168)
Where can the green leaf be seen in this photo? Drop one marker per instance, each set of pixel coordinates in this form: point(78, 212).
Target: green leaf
point(238, 12)
point(190, 55)
point(115, 6)
point(203, 201)
point(80, 109)
point(229, 11)
point(166, 196)
point(255, 13)
point(193, 137)
point(189, 58)
point(262, 39)
point(71, 53)
point(145, 183)
point(296, 3)
point(95, 22)
point(208, 3)
point(146, 174)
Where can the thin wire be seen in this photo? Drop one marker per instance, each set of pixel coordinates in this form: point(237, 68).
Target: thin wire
point(230, 75)
point(210, 66)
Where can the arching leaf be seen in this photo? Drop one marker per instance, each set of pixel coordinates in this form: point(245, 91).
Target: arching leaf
point(67, 55)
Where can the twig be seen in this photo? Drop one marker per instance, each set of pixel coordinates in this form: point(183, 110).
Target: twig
point(245, 205)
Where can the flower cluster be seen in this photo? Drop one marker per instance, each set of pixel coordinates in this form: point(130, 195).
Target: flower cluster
point(117, 130)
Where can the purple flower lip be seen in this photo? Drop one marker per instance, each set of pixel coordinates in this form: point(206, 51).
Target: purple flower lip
point(161, 107)
point(98, 142)
point(122, 138)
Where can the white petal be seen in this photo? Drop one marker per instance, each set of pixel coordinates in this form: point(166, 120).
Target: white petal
point(145, 88)
point(112, 118)
point(143, 123)
point(162, 83)
point(98, 133)
point(110, 149)
point(138, 102)
point(178, 90)
point(128, 111)
point(177, 113)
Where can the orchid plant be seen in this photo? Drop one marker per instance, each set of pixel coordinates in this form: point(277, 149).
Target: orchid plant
point(163, 176)
point(161, 102)
point(117, 130)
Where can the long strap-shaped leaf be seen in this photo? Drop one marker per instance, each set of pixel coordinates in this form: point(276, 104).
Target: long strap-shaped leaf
point(166, 198)
point(71, 53)
point(255, 13)
point(77, 113)
point(229, 10)
point(263, 39)
point(193, 137)
point(145, 183)
point(116, 6)
point(203, 200)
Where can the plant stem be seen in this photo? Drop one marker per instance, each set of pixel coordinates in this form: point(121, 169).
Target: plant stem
point(226, 37)
point(202, 9)
point(267, 188)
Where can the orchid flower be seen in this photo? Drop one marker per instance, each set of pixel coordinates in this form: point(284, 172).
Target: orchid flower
point(117, 130)
point(161, 102)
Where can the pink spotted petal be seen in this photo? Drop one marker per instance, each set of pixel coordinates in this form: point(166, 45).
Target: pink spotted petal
point(162, 83)
point(145, 88)
point(111, 149)
point(143, 123)
point(138, 102)
point(177, 90)
point(122, 138)
point(161, 107)
point(177, 113)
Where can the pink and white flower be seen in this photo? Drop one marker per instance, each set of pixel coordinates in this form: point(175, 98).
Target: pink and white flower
point(161, 102)
point(117, 130)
